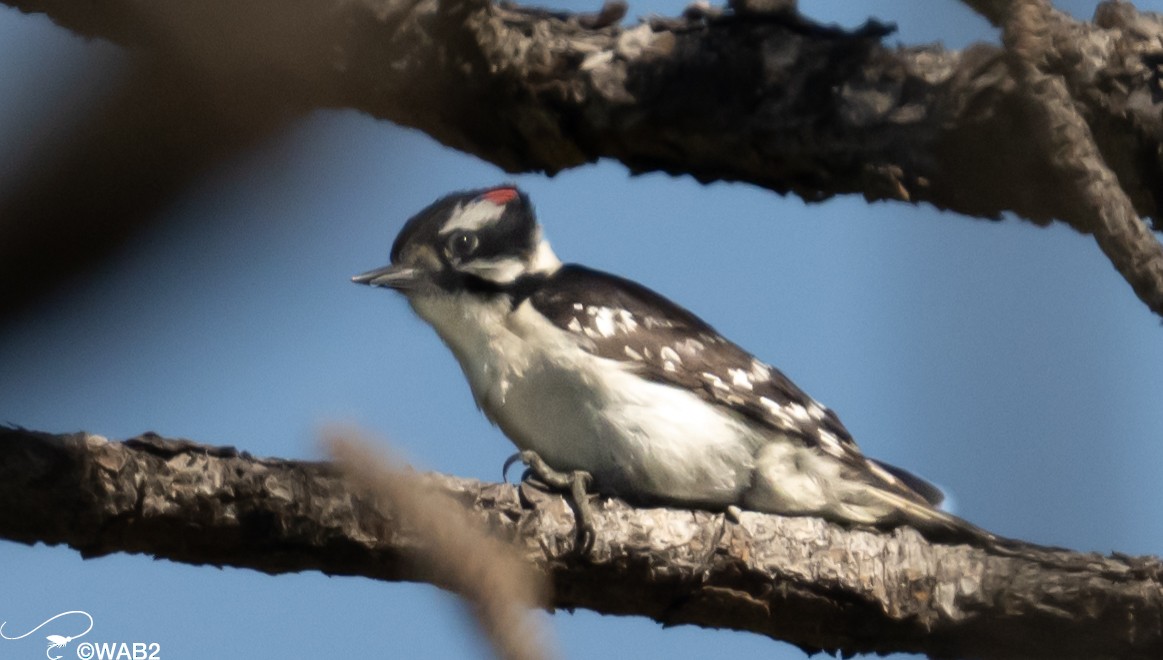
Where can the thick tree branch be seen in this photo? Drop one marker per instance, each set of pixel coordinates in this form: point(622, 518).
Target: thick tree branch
point(768, 98)
point(1036, 36)
point(799, 579)
point(771, 99)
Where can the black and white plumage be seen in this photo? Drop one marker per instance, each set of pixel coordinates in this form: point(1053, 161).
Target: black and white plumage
point(599, 374)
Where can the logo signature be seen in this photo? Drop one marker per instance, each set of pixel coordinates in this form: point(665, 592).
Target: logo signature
point(54, 641)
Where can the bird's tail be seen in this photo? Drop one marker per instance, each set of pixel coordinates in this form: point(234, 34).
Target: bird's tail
point(915, 502)
point(942, 527)
point(934, 524)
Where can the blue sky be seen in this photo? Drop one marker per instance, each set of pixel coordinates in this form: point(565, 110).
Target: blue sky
point(1007, 363)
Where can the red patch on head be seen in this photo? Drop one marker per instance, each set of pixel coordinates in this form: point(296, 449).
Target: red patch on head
point(500, 196)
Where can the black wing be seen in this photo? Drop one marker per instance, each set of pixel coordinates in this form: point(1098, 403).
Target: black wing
point(625, 321)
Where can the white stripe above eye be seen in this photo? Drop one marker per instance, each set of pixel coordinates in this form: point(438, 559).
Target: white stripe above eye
point(472, 216)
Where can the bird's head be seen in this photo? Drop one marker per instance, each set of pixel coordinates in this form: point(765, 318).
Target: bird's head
point(482, 241)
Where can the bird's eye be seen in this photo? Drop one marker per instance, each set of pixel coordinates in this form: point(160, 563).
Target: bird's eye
point(462, 244)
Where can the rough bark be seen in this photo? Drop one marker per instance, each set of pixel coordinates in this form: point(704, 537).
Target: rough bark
point(768, 98)
point(803, 580)
point(1034, 34)
point(764, 97)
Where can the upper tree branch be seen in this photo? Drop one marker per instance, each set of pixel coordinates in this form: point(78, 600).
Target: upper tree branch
point(799, 579)
point(770, 99)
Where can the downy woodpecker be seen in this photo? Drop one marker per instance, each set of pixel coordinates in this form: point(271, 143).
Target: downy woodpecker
point(599, 376)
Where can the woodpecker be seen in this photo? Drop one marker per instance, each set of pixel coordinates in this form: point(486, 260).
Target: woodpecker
point(605, 384)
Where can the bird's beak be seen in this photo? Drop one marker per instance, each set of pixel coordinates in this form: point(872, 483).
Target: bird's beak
point(395, 276)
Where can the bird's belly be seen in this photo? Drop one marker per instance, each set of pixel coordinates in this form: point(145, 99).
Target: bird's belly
point(639, 439)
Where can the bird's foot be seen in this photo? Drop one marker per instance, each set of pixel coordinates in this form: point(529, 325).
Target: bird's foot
point(575, 484)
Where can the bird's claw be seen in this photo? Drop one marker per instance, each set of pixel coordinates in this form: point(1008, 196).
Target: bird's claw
point(575, 484)
point(515, 458)
point(580, 481)
point(733, 513)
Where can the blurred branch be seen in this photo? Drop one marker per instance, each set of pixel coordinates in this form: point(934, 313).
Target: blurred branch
point(153, 134)
point(803, 580)
point(763, 96)
point(489, 574)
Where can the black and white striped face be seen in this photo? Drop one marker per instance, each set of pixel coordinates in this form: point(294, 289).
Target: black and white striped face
point(478, 240)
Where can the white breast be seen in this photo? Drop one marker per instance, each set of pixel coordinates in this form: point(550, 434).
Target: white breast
point(581, 412)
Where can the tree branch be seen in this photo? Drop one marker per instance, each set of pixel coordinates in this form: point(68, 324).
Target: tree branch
point(1037, 37)
point(768, 98)
point(803, 580)
point(772, 99)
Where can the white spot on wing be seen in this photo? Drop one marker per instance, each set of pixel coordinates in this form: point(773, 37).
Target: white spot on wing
point(574, 325)
point(777, 411)
point(830, 443)
point(816, 411)
point(797, 411)
point(739, 379)
point(669, 366)
point(626, 322)
point(604, 321)
point(651, 322)
point(715, 381)
point(631, 353)
point(759, 371)
point(667, 353)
